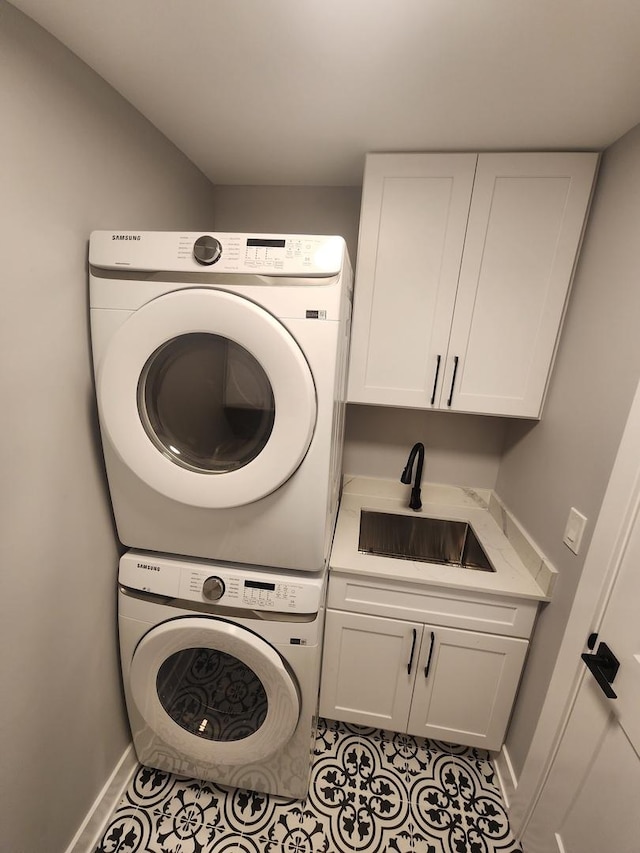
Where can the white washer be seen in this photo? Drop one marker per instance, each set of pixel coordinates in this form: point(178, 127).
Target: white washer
point(220, 365)
point(221, 669)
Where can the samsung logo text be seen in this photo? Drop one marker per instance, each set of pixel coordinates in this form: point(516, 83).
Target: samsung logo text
point(148, 567)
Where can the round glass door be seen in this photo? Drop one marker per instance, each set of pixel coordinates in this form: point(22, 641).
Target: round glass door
point(212, 694)
point(214, 690)
point(206, 402)
point(207, 398)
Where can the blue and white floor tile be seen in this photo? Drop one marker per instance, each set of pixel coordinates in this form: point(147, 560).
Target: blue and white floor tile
point(371, 791)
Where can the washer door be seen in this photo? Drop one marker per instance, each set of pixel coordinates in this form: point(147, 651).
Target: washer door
point(207, 398)
point(214, 691)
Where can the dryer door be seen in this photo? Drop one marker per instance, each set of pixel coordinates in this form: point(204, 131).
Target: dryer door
point(207, 398)
point(214, 690)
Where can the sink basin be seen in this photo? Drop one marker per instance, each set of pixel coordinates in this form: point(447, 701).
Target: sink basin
point(429, 540)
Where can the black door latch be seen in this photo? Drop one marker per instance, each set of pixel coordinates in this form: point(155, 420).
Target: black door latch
point(604, 666)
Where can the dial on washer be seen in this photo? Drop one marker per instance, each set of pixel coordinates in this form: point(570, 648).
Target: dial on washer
point(207, 250)
point(213, 588)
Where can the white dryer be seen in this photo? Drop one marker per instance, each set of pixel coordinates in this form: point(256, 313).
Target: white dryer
point(220, 364)
point(221, 669)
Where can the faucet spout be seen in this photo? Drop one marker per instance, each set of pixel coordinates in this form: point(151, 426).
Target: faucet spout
point(415, 501)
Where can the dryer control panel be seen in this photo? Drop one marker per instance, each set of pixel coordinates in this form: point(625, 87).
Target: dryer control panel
point(301, 255)
point(223, 583)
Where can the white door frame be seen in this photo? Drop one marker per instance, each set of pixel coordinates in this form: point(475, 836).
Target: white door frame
point(598, 575)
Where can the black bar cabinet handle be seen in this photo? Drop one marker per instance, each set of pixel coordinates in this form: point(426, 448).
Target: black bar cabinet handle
point(413, 648)
point(435, 381)
point(453, 378)
point(428, 666)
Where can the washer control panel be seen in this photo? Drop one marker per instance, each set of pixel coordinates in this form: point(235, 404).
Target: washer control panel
point(223, 583)
point(246, 590)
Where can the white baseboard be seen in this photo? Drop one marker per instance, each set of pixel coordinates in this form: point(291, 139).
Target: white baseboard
point(507, 778)
point(87, 837)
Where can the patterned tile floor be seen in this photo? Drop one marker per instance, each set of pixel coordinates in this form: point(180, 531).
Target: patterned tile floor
point(371, 792)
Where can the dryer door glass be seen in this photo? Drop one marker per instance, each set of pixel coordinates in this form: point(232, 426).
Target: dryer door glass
point(211, 694)
point(208, 398)
point(206, 403)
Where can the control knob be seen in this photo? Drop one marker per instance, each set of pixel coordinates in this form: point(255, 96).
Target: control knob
point(207, 250)
point(213, 588)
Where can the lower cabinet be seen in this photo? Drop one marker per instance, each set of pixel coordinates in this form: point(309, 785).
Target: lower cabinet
point(434, 681)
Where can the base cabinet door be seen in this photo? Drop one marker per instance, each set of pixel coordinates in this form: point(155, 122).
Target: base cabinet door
point(465, 686)
point(435, 682)
point(368, 669)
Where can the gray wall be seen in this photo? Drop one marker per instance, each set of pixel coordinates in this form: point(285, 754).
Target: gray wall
point(290, 210)
point(463, 450)
point(566, 459)
point(74, 156)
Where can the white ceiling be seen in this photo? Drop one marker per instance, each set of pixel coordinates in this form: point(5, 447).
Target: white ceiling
point(296, 91)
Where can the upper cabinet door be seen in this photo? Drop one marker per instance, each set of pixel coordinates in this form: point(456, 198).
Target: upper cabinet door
point(525, 225)
point(412, 230)
point(462, 278)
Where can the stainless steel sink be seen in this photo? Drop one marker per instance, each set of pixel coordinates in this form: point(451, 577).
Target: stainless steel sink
point(416, 537)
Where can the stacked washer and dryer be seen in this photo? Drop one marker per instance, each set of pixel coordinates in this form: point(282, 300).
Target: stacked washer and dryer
point(220, 367)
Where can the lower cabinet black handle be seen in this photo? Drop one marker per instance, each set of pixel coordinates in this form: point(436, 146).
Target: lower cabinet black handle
point(413, 648)
point(428, 666)
point(603, 666)
point(456, 359)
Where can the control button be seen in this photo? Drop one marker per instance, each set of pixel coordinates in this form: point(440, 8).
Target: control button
point(207, 250)
point(213, 588)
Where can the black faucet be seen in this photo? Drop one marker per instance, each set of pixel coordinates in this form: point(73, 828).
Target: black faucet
point(415, 501)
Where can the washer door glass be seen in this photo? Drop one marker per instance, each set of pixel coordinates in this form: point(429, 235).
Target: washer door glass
point(206, 403)
point(214, 691)
point(212, 694)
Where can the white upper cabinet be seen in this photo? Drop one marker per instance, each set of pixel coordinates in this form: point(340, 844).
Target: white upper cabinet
point(464, 266)
point(412, 225)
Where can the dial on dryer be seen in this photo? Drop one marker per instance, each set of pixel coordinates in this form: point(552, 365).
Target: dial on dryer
point(213, 588)
point(207, 250)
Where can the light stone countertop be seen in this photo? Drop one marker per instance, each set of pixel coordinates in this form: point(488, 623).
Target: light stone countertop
point(512, 576)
